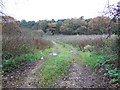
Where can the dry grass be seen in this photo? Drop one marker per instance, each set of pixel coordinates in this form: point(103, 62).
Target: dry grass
point(17, 50)
point(25, 41)
point(21, 45)
point(82, 40)
point(99, 42)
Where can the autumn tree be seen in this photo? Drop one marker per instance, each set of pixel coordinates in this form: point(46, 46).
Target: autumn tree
point(82, 29)
point(66, 27)
point(98, 25)
point(10, 26)
point(73, 26)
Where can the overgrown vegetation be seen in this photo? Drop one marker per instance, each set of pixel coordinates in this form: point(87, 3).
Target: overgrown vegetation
point(19, 62)
point(19, 47)
point(97, 52)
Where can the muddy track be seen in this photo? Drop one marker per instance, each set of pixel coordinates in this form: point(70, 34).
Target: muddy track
point(31, 80)
point(80, 76)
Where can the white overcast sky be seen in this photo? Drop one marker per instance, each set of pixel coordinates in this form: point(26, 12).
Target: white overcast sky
point(55, 9)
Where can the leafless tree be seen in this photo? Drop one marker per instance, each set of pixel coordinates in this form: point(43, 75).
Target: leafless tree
point(2, 13)
point(1, 7)
point(114, 13)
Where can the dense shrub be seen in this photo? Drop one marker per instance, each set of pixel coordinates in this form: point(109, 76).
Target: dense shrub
point(15, 47)
point(10, 27)
point(17, 43)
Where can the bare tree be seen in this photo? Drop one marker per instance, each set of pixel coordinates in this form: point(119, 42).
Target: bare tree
point(113, 11)
point(1, 7)
point(2, 13)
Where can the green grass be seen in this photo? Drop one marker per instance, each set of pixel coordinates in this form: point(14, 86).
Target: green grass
point(101, 58)
point(55, 66)
point(53, 69)
point(90, 58)
point(13, 64)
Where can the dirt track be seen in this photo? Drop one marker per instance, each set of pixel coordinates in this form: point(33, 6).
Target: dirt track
point(79, 76)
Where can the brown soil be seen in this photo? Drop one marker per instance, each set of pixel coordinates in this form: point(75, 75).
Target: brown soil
point(81, 77)
point(21, 77)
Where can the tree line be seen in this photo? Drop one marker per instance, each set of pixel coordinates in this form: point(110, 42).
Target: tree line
point(73, 26)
